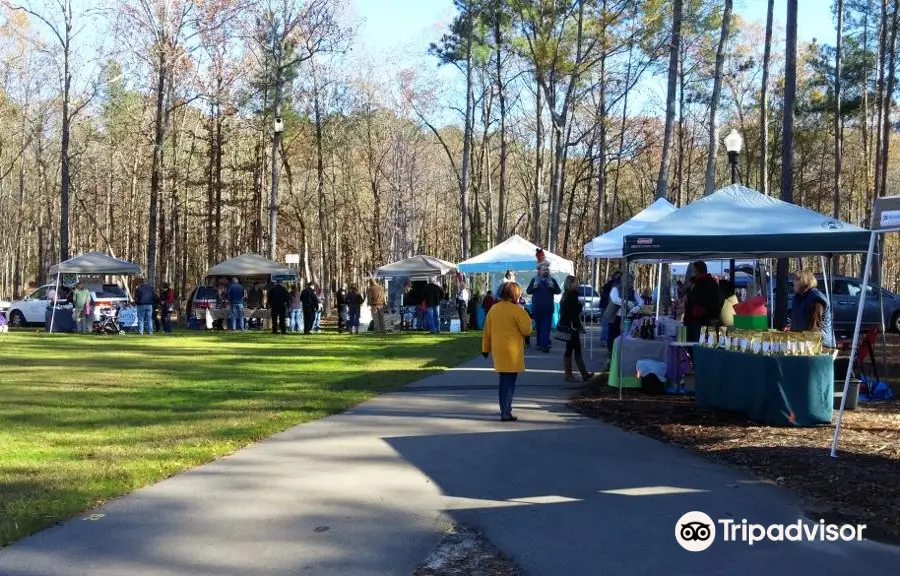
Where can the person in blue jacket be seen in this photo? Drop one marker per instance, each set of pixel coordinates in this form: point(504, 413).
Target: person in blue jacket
point(542, 289)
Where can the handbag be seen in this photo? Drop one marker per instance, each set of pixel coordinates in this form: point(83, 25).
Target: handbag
point(563, 333)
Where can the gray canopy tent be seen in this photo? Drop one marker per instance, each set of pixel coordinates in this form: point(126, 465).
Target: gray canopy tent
point(739, 223)
point(250, 265)
point(97, 263)
point(417, 268)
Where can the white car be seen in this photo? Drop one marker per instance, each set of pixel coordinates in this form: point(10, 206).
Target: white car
point(32, 308)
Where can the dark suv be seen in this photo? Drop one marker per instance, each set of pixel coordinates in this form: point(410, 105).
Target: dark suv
point(845, 302)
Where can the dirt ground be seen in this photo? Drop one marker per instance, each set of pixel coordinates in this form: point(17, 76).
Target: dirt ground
point(862, 485)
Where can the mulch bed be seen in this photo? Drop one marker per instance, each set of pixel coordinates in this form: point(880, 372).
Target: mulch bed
point(465, 552)
point(862, 485)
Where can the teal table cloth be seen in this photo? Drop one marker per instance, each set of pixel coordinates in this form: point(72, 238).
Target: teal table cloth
point(776, 390)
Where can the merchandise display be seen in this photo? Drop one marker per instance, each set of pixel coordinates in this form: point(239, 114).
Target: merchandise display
point(763, 342)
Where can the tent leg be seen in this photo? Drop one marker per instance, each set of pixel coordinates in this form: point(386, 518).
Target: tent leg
point(855, 347)
point(624, 309)
point(53, 303)
point(658, 288)
point(828, 296)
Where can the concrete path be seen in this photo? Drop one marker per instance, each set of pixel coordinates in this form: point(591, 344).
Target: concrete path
point(369, 492)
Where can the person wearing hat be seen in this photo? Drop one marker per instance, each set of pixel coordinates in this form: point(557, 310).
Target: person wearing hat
point(82, 312)
point(542, 289)
point(279, 298)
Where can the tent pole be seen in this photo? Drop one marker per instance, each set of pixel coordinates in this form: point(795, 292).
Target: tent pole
point(828, 297)
point(658, 288)
point(855, 346)
point(624, 310)
point(55, 300)
point(880, 257)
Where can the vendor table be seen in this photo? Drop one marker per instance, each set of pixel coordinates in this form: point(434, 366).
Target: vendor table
point(778, 390)
point(225, 313)
point(633, 350)
point(62, 322)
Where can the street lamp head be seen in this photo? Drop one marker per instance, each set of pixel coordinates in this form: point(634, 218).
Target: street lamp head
point(734, 142)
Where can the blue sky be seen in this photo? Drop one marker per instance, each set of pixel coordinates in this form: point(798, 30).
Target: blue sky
point(405, 27)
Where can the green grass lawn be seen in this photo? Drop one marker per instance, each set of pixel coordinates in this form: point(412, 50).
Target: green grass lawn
point(84, 419)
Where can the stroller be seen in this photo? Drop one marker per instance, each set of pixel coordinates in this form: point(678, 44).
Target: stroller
point(107, 323)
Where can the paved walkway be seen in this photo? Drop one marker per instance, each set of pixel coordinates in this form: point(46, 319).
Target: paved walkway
point(369, 492)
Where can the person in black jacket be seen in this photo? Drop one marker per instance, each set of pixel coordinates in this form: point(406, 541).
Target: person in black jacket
point(310, 302)
point(433, 295)
point(340, 298)
point(279, 298)
point(703, 304)
point(570, 309)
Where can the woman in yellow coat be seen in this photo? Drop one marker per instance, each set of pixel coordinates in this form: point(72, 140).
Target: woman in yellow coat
point(506, 327)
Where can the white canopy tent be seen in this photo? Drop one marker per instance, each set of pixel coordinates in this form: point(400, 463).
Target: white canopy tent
point(609, 245)
point(97, 263)
point(250, 264)
point(516, 254)
point(417, 268)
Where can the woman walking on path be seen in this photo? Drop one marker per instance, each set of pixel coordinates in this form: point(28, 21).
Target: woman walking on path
point(504, 329)
point(296, 306)
point(570, 319)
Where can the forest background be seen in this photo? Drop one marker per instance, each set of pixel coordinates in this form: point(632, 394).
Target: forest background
point(146, 128)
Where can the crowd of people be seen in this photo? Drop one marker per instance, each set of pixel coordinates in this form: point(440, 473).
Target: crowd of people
point(297, 309)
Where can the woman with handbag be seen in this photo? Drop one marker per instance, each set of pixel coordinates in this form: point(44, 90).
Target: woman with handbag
point(570, 328)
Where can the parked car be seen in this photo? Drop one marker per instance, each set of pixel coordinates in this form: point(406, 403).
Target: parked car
point(32, 308)
point(590, 299)
point(845, 303)
point(201, 298)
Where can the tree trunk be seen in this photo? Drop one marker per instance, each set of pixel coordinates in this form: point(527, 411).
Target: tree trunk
point(211, 250)
point(713, 148)
point(538, 169)
point(662, 182)
point(327, 258)
point(501, 95)
point(838, 124)
point(865, 133)
point(64, 178)
point(888, 100)
point(880, 96)
point(466, 239)
point(601, 153)
point(679, 168)
point(156, 168)
point(787, 148)
point(276, 147)
point(764, 104)
point(220, 144)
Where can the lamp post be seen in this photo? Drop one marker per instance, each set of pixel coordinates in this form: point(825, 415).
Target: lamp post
point(733, 144)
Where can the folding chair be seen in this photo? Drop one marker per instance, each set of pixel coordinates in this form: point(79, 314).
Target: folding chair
point(866, 352)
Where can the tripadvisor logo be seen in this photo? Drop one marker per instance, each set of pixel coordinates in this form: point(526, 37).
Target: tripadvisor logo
point(696, 531)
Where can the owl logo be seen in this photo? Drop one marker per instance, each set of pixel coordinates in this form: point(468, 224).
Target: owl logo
point(695, 531)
